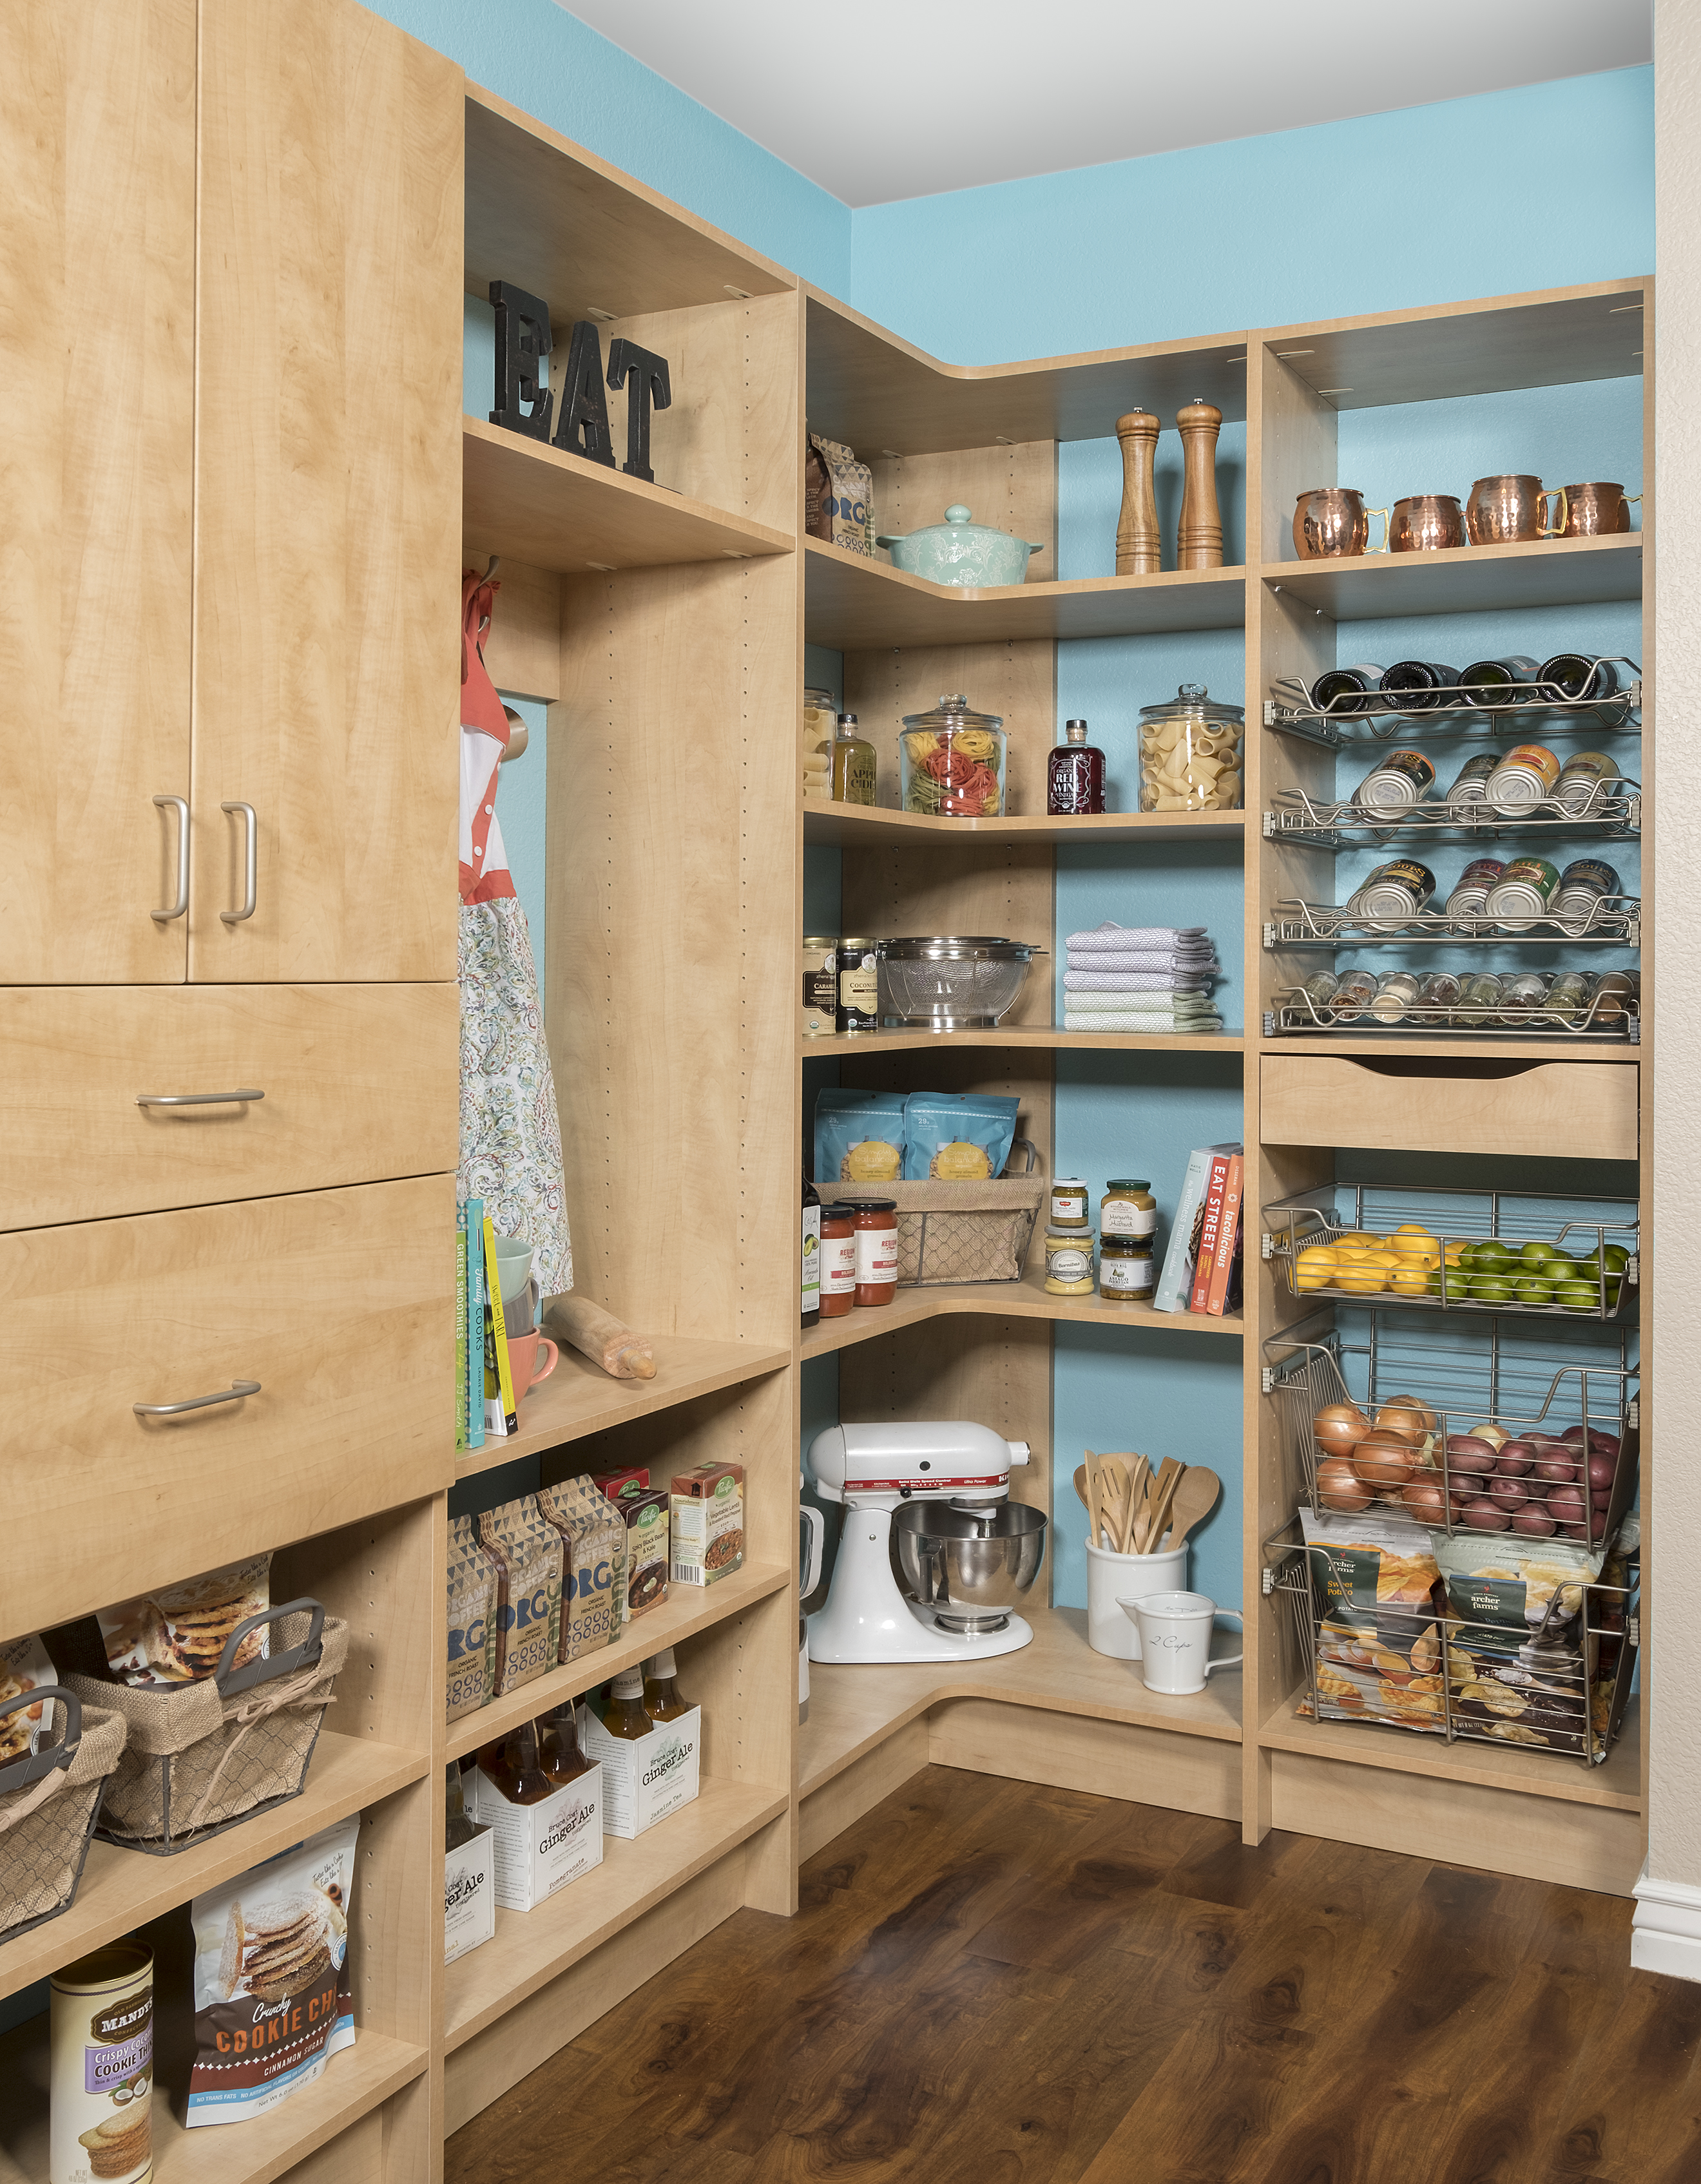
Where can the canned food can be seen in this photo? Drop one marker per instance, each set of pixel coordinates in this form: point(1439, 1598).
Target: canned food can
point(1568, 996)
point(1469, 897)
point(1403, 779)
point(1524, 778)
point(1473, 777)
point(1395, 994)
point(1354, 995)
point(1435, 999)
point(859, 986)
point(1394, 893)
point(1584, 886)
point(820, 1018)
point(1583, 780)
point(1525, 894)
point(1523, 996)
point(1479, 999)
point(101, 2044)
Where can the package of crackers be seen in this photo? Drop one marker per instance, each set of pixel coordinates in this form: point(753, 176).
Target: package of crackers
point(528, 1553)
point(593, 1578)
point(176, 1633)
point(274, 1998)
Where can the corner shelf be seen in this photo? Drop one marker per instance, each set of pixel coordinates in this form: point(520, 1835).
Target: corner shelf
point(525, 500)
point(687, 1610)
point(1023, 1300)
point(1551, 572)
point(123, 1889)
point(1018, 1036)
point(829, 825)
point(854, 603)
point(579, 1398)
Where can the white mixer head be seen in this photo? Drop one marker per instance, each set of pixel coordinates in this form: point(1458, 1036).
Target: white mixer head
point(878, 1466)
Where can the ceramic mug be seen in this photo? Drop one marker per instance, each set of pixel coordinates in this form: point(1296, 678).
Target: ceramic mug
point(523, 1351)
point(1175, 1640)
point(513, 1265)
point(1425, 523)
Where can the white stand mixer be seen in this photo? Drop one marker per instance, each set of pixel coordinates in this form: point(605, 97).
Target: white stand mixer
point(956, 1467)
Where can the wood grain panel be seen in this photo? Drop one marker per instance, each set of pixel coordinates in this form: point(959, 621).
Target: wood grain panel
point(840, 1800)
point(523, 649)
point(340, 1303)
point(96, 426)
point(360, 1085)
point(1565, 1110)
point(1299, 435)
point(1071, 1752)
point(328, 526)
point(1017, 682)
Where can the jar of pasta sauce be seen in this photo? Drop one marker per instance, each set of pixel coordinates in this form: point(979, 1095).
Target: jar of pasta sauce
point(838, 1261)
point(875, 1221)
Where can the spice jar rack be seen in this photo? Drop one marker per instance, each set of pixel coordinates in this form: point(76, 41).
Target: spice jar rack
point(1310, 822)
point(1314, 1218)
point(1485, 1372)
point(1447, 712)
point(1602, 1018)
point(1614, 918)
point(1575, 1715)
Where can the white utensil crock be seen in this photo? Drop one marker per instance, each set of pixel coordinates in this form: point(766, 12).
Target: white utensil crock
point(1113, 1578)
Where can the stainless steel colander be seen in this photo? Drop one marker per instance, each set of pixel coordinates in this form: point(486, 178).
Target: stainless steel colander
point(952, 981)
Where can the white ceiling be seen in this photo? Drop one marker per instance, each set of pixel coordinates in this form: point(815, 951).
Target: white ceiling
point(882, 99)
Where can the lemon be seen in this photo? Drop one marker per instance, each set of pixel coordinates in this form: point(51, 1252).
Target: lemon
point(1413, 1244)
point(1360, 1281)
point(1359, 1236)
point(1409, 1281)
point(1387, 1261)
point(1411, 1228)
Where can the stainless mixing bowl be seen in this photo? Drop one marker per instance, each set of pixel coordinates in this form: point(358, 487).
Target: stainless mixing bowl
point(970, 1566)
point(952, 981)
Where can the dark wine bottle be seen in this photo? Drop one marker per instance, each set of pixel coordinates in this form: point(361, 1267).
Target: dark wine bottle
point(1346, 690)
point(1498, 682)
point(1576, 676)
point(1074, 774)
point(1410, 685)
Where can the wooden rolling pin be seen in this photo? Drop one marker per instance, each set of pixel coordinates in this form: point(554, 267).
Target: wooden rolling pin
point(599, 1335)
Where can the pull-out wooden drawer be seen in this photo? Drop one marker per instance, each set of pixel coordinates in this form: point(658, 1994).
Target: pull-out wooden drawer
point(360, 1085)
point(339, 1303)
point(1571, 1110)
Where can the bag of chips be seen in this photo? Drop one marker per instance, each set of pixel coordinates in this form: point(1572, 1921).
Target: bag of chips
point(859, 1136)
point(1516, 1652)
point(1378, 1596)
point(957, 1137)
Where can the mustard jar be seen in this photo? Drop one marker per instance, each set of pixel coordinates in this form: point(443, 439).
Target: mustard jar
point(1127, 1208)
point(1069, 1262)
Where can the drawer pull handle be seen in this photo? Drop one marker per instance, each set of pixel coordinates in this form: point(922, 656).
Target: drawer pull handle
point(194, 1098)
point(177, 909)
point(250, 863)
point(233, 1394)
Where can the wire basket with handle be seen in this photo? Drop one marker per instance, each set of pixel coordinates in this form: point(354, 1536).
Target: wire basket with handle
point(48, 1801)
point(960, 1232)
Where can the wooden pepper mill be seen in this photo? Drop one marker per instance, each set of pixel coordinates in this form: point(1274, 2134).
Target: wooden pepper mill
point(1139, 548)
point(1199, 539)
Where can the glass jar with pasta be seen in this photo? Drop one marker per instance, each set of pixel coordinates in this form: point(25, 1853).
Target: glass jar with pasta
point(1190, 753)
point(952, 761)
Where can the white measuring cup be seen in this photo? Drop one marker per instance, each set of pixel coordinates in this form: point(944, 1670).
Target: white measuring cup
point(1175, 1640)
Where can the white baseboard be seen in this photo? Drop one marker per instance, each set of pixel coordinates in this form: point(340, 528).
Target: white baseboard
point(1665, 1932)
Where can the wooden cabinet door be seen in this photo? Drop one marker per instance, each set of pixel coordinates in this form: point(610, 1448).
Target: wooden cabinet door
point(96, 437)
point(328, 367)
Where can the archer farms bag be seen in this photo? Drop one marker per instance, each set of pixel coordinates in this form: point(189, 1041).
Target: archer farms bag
point(274, 1998)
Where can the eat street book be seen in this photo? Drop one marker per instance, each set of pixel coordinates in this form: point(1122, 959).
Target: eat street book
point(1222, 1266)
point(1210, 1231)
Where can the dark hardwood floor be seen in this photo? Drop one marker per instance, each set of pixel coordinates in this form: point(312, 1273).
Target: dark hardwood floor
point(993, 1983)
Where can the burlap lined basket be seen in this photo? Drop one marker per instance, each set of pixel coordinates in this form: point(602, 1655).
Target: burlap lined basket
point(960, 1232)
point(49, 1801)
point(202, 1756)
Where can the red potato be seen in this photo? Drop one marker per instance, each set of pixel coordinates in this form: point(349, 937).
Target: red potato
point(1470, 1452)
point(1574, 1531)
point(1556, 1469)
point(1534, 1521)
point(1565, 1504)
point(1507, 1493)
point(1484, 1516)
point(1601, 1498)
point(1602, 1470)
point(1515, 1459)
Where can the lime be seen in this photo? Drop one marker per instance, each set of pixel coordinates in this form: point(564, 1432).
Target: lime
point(1490, 1289)
point(1465, 1254)
point(1617, 1258)
point(1492, 1253)
point(1533, 1292)
point(1577, 1296)
point(1532, 1255)
point(1458, 1285)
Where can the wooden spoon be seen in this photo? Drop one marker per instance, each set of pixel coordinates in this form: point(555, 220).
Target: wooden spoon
point(1091, 1466)
point(1194, 1499)
point(1157, 1507)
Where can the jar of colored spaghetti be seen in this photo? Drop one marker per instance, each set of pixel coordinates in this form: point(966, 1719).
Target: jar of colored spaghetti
point(951, 761)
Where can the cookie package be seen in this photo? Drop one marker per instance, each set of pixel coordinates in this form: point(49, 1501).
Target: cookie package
point(176, 1633)
point(24, 1667)
point(274, 1999)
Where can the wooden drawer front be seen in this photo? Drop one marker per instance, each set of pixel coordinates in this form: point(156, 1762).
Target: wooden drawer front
point(1571, 1110)
point(360, 1083)
point(340, 1303)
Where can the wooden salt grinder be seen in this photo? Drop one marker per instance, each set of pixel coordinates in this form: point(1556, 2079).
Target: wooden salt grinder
point(1139, 550)
point(1199, 539)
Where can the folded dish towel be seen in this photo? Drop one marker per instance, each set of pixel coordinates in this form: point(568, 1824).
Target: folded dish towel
point(1137, 1019)
point(1147, 963)
point(1112, 939)
point(1138, 981)
point(1180, 1002)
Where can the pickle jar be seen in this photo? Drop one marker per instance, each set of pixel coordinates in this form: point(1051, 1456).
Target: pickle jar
point(951, 761)
point(1190, 753)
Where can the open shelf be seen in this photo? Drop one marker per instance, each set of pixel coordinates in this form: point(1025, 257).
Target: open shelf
point(123, 1889)
point(867, 827)
point(579, 1398)
point(851, 1710)
point(1022, 1035)
point(254, 2152)
point(1616, 1783)
point(853, 603)
point(526, 500)
point(687, 1610)
point(551, 217)
point(1550, 573)
point(531, 1947)
point(1023, 1300)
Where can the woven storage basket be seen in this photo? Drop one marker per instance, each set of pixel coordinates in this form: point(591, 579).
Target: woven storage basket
point(48, 1800)
point(960, 1232)
point(203, 1756)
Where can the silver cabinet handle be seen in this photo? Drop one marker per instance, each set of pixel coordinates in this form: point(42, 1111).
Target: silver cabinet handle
point(177, 908)
point(233, 1394)
point(193, 1099)
point(250, 864)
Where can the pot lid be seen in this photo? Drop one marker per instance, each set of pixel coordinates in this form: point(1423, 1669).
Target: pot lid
point(953, 712)
point(1192, 702)
point(958, 947)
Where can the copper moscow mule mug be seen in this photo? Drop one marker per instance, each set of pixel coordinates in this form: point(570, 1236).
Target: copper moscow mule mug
point(1331, 522)
point(1425, 523)
point(1595, 509)
point(1502, 509)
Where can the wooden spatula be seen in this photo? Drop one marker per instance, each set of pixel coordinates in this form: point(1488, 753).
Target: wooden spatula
point(1194, 1499)
point(1139, 1485)
point(1157, 1504)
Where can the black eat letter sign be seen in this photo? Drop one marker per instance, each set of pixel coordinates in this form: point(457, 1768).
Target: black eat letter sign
point(523, 342)
point(646, 380)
